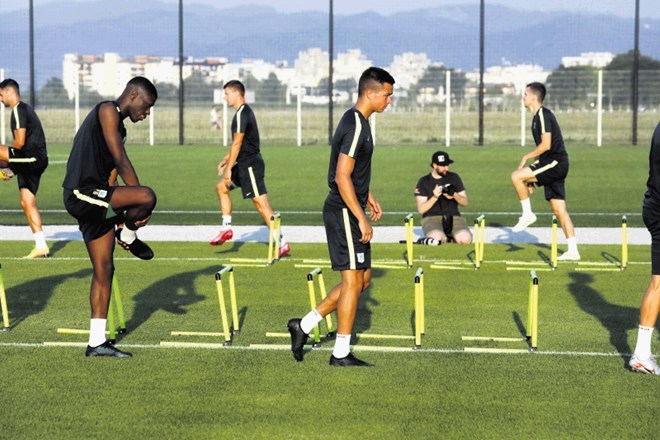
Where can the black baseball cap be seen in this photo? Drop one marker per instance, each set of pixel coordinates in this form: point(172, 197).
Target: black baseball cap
point(441, 158)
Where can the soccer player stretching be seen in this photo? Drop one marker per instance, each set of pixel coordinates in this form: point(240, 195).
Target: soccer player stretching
point(347, 227)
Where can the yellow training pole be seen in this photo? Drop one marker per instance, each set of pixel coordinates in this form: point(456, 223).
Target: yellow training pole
point(116, 294)
point(479, 238)
point(533, 311)
point(274, 238)
point(3, 303)
point(328, 317)
point(624, 242)
point(553, 245)
point(312, 300)
point(234, 305)
point(408, 222)
point(419, 307)
point(221, 301)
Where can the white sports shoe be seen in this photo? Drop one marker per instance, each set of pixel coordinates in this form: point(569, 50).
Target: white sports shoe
point(648, 366)
point(569, 256)
point(6, 173)
point(523, 222)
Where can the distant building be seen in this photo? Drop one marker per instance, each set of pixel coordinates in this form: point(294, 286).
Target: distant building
point(408, 68)
point(592, 59)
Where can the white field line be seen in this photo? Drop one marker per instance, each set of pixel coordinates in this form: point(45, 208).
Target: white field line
point(287, 347)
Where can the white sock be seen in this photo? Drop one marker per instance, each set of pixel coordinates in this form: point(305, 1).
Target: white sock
point(310, 320)
point(226, 222)
point(127, 236)
point(643, 347)
point(40, 240)
point(342, 346)
point(572, 244)
point(96, 332)
point(526, 207)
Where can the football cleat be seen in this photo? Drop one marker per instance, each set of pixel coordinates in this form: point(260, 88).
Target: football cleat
point(138, 248)
point(6, 173)
point(222, 236)
point(106, 349)
point(523, 222)
point(648, 366)
point(285, 249)
point(569, 256)
point(348, 361)
point(298, 338)
point(37, 253)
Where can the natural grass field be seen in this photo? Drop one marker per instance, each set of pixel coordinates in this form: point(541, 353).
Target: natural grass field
point(576, 386)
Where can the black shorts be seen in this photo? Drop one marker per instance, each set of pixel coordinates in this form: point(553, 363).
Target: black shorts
point(91, 207)
point(651, 216)
point(249, 176)
point(343, 235)
point(551, 174)
point(28, 169)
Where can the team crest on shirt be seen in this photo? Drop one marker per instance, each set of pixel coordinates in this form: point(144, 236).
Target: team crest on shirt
point(360, 257)
point(101, 193)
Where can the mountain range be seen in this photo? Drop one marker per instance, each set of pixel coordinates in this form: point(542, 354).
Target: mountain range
point(448, 34)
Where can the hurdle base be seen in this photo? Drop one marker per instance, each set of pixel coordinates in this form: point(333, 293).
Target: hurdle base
point(417, 347)
point(5, 329)
point(121, 331)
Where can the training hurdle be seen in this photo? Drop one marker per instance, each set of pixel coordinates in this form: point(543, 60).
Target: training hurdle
point(531, 329)
point(478, 238)
point(3, 304)
point(552, 263)
point(274, 230)
point(602, 266)
point(408, 224)
point(226, 331)
point(115, 297)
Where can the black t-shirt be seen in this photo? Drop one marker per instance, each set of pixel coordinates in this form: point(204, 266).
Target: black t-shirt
point(442, 206)
point(23, 116)
point(245, 122)
point(353, 138)
point(653, 182)
point(544, 121)
point(90, 162)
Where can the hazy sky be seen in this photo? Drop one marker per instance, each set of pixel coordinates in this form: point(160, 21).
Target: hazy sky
point(625, 8)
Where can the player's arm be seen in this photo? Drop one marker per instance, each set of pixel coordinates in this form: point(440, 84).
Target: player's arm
point(109, 119)
point(19, 138)
point(546, 143)
point(374, 208)
point(345, 166)
point(230, 159)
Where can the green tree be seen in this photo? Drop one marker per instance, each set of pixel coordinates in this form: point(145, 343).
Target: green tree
point(196, 89)
point(53, 94)
point(617, 80)
point(270, 91)
point(434, 78)
point(572, 87)
point(89, 98)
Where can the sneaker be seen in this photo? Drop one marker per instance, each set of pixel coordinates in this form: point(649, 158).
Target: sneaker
point(648, 366)
point(298, 338)
point(106, 349)
point(6, 173)
point(569, 256)
point(222, 236)
point(138, 248)
point(38, 253)
point(523, 222)
point(284, 250)
point(348, 361)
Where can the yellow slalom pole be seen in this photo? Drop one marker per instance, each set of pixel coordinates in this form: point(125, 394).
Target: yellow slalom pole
point(409, 222)
point(328, 317)
point(3, 303)
point(533, 319)
point(274, 238)
point(221, 301)
point(479, 238)
point(234, 305)
point(624, 242)
point(312, 301)
point(116, 294)
point(553, 245)
point(419, 307)
point(112, 330)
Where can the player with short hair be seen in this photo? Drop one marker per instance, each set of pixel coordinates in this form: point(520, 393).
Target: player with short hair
point(549, 169)
point(347, 226)
point(98, 149)
point(27, 158)
point(642, 359)
point(438, 196)
point(243, 167)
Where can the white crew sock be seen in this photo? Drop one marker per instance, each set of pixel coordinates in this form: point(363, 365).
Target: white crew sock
point(526, 207)
point(127, 236)
point(226, 222)
point(310, 320)
point(40, 240)
point(643, 347)
point(96, 332)
point(342, 346)
point(572, 244)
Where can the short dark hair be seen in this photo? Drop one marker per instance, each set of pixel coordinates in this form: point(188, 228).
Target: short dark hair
point(10, 83)
point(235, 84)
point(373, 75)
point(538, 89)
point(142, 83)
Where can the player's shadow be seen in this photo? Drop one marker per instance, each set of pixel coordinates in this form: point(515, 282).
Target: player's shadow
point(617, 319)
point(171, 295)
point(235, 247)
point(31, 298)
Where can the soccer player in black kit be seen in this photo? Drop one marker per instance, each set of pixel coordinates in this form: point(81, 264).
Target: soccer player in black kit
point(98, 150)
point(642, 360)
point(347, 227)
